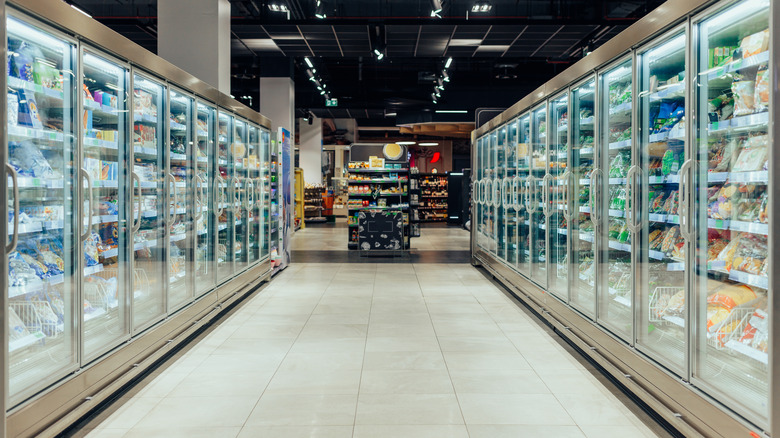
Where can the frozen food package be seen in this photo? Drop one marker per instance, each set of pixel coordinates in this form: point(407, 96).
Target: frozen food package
point(670, 239)
point(48, 318)
point(755, 43)
point(729, 297)
point(16, 328)
point(25, 155)
point(676, 304)
point(753, 155)
point(761, 94)
point(13, 109)
point(744, 97)
point(657, 202)
point(763, 214)
point(672, 203)
point(715, 316)
point(756, 333)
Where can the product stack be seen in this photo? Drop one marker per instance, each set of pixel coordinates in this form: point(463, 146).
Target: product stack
point(433, 197)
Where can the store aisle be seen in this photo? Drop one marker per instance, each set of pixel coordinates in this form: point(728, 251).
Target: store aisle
point(376, 350)
point(333, 237)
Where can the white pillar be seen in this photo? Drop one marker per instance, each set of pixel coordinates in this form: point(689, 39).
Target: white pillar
point(311, 150)
point(195, 36)
point(277, 102)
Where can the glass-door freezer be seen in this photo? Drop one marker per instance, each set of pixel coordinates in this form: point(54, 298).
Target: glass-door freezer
point(104, 161)
point(655, 214)
point(509, 192)
point(253, 197)
point(522, 191)
point(43, 311)
point(265, 198)
point(539, 181)
point(556, 200)
point(499, 202)
point(148, 277)
point(205, 203)
point(615, 131)
point(582, 223)
point(224, 210)
point(730, 207)
point(180, 209)
point(238, 200)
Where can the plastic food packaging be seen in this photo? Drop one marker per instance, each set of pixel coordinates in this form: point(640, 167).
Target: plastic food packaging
point(744, 97)
point(670, 240)
point(729, 297)
point(755, 44)
point(753, 155)
point(28, 157)
point(762, 91)
point(756, 333)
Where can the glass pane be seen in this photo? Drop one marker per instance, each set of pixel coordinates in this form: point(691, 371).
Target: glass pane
point(730, 206)
point(480, 178)
point(493, 187)
point(510, 213)
point(559, 227)
point(523, 190)
point(149, 277)
point(537, 186)
point(276, 173)
point(225, 213)
point(105, 99)
point(41, 271)
point(239, 186)
point(583, 293)
point(270, 224)
point(254, 188)
point(615, 117)
point(500, 172)
point(180, 225)
point(204, 203)
point(662, 248)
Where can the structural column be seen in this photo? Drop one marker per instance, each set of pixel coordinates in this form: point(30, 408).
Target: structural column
point(310, 137)
point(195, 36)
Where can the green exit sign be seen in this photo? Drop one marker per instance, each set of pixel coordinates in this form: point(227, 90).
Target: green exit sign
point(332, 102)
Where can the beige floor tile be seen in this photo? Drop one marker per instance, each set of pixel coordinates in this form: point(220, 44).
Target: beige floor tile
point(613, 432)
point(183, 432)
point(107, 433)
point(344, 345)
point(496, 344)
point(405, 382)
point(593, 410)
point(570, 381)
point(459, 360)
point(410, 431)
point(208, 384)
point(241, 363)
point(524, 431)
point(351, 360)
point(498, 381)
point(339, 318)
point(197, 412)
point(529, 409)
point(304, 410)
point(377, 329)
point(296, 432)
point(333, 331)
point(403, 360)
point(428, 343)
point(377, 409)
point(130, 413)
point(315, 381)
point(163, 384)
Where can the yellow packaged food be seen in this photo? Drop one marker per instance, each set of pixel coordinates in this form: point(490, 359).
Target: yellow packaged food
point(730, 297)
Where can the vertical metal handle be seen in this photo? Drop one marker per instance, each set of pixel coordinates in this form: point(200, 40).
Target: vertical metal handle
point(172, 211)
point(684, 199)
point(566, 178)
point(137, 225)
point(11, 247)
point(632, 199)
point(236, 195)
point(529, 191)
point(218, 195)
point(546, 185)
point(85, 176)
point(249, 182)
point(595, 191)
point(201, 184)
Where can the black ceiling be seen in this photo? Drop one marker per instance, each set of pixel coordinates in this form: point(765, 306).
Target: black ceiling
point(497, 57)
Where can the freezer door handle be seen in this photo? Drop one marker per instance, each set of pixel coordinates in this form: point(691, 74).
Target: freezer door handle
point(173, 209)
point(11, 247)
point(546, 187)
point(237, 195)
point(566, 178)
point(249, 201)
point(201, 195)
point(86, 177)
point(631, 199)
point(595, 190)
point(218, 195)
point(137, 179)
point(684, 199)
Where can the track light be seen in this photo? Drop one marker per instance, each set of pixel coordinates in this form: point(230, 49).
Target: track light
point(445, 76)
point(436, 8)
point(277, 8)
point(319, 9)
point(448, 63)
point(440, 83)
point(379, 54)
point(481, 6)
point(308, 62)
point(310, 74)
point(436, 92)
point(433, 97)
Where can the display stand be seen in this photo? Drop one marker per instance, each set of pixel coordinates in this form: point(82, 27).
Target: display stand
point(433, 197)
point(313, 207)
point(381, 231)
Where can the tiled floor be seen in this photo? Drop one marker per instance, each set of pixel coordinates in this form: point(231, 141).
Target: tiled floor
point(375, 350)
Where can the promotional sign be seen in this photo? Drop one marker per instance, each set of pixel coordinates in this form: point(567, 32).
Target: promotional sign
point(286, 163)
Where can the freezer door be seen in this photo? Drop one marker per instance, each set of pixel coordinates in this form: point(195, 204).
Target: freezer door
point(253, 189)
point(500, 172)
point(149, 175)
point(181, 206)
point(205, 228)
point(615, 271)
point(538, 184)
point(557, 195)
point(276, 172)
point(662, 308)
point(269, 226)
point(523, 193)
point(510, 214)
point(581, 220)
point(731, 223)
point(223, 188)
point(238, 200)
point(104, 154)
point(43, 312)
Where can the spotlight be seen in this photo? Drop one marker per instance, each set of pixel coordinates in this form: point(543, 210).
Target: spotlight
point(440, 83)
point(310, 74)
point(445, 76)
point(379, 54)
point(308, 62)
point(481, 6)
point(433, 97)
point(277, 8)
point(436, 8)
point(436, 92)
point(319, 9)
point(448, 63)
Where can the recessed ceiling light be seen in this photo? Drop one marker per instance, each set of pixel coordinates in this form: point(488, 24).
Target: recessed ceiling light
point(405, 142)
point(427, 144)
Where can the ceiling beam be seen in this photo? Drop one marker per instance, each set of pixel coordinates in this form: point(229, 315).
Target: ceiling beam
point(337, 40)
point(304, 40)
point(514, 41)
point(417, 43)
point(546, 41)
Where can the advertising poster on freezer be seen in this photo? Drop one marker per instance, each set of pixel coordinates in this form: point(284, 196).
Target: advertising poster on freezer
point(285, 146)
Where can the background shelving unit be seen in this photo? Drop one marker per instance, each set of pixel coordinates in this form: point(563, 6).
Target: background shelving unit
point(377, 189)
point(313, 204)
point(433, 197)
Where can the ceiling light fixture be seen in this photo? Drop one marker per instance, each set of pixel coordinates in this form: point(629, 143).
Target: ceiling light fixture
point(481, 6)
point(433, 97)
point(379, 54)
point(277, 8)
point(451, 112)
point(308, 62)
point(448, 63)
point(310, 74)
point(405, 143)
point(427, 144)
point(436, 92)
point(445, 76)
point(436, 8)
point(319, 9)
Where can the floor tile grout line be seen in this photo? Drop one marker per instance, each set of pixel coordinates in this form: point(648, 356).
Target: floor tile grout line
point(441, 351)
point(365, 347)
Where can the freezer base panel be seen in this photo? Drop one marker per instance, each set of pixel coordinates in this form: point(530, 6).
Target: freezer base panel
point(688, 410)
point(60, 406)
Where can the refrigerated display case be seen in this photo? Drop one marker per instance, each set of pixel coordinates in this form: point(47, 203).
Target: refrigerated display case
point(110, 192)
point(224, 189)
point(267, 194)
point(148, 277)
point(238, 184)
point(650, 180)
point(253, 195)
point(43, 188)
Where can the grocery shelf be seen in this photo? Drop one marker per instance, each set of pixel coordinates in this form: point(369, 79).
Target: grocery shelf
point(31, 86)
point(377, 170)
point(747, 227)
